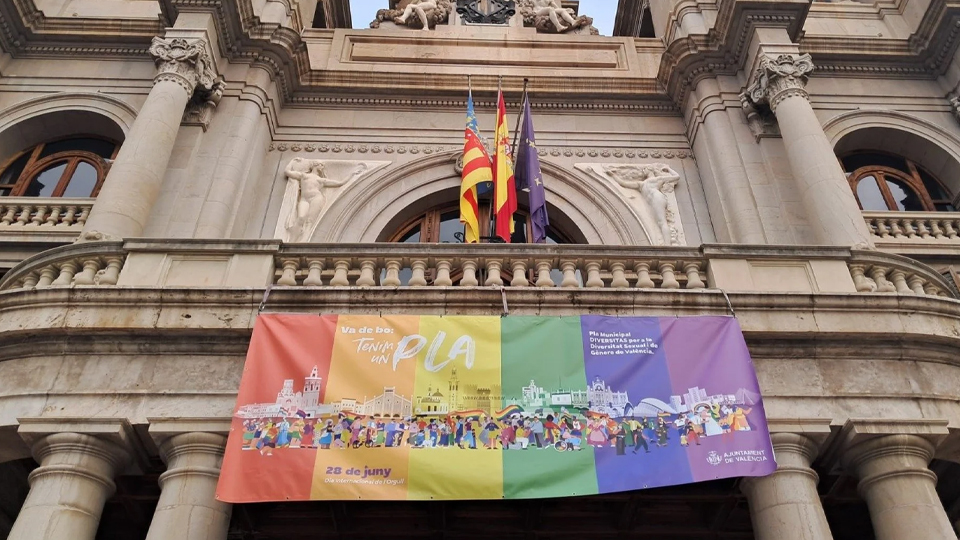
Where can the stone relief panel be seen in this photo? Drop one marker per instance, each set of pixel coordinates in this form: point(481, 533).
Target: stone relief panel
point(312, 185)
point(650, 190)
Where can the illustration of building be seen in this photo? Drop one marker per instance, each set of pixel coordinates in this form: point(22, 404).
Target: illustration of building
point(170, 170)
point(432, 402)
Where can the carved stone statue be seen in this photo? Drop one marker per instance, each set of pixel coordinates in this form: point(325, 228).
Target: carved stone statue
point(423, 14)
point(548, 16)
point(656, 184)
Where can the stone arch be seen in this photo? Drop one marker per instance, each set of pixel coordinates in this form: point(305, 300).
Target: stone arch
point(365, 209)
point(929, 145)
point(41, 119)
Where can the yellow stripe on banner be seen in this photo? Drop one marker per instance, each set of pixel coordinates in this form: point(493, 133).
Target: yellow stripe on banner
point(458, 370)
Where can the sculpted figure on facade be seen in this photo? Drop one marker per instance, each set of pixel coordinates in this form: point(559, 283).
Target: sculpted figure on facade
point(548, 16)
point(311, 183)
point(423, 14)
point(778, 78)
point(655, 183)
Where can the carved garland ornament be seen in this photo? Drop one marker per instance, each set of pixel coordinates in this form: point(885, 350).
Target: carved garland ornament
point(779, 78)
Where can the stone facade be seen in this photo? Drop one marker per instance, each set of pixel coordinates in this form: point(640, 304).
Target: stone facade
point(262, 146)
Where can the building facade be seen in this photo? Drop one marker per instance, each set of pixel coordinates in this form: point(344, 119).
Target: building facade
point(170, 168)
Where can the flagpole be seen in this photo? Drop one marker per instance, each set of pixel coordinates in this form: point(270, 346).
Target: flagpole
point(516, 132)
point(493, 200)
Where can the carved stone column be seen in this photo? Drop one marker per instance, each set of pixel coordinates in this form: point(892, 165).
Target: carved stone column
point(218, 209)
point(133, 183)
point(785, 505)
point(830, 206)
point(69, 488)
point(899, 488)
point(188, 509)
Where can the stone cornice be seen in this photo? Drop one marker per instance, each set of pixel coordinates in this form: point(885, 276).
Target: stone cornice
point(723, 50)
point(26, 32)
point(926, 53)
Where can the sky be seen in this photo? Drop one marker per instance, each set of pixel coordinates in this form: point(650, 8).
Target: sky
point(602, 11)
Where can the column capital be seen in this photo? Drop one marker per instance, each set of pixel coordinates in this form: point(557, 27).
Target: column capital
point(779, 77)
point(186, 62)
point(112, 439)
point(874, 450)
point(177, 436)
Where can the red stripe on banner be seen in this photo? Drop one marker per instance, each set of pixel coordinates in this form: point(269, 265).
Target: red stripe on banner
point(283, 347)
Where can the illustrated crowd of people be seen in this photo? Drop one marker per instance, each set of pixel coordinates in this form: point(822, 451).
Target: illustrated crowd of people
point(517, 431)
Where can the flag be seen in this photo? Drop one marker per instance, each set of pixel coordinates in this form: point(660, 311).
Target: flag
point(530, 178)
point(504, 184)
point(476, 170)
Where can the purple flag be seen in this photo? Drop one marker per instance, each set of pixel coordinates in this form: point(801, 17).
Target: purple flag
point(529, 178)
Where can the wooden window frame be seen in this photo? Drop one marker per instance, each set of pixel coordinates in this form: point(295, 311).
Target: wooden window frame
point(880, 173)
point(429, 222)
point(35, 165)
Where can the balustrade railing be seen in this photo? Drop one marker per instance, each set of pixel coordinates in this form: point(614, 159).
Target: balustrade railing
point(25, 213)
point(930, 227)
point(492, 266)
point(95, 264)
point(178, 263)
point(885, 273)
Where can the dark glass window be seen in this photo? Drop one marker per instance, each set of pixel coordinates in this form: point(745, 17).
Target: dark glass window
point(883, 182)
point(73, 167)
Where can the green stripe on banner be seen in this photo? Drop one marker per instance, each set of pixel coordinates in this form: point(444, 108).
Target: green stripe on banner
point(542, 366)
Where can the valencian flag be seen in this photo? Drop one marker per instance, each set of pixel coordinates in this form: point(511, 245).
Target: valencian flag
point(504, 184)
point(529, 176)
point(476, 170)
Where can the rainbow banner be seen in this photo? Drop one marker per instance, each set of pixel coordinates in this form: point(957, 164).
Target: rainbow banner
point(420, 407)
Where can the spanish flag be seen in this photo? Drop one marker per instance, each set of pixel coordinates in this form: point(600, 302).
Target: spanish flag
point(476, 170)
point(504, 184)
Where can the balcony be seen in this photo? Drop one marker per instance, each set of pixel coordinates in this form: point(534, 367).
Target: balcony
point(524, 271)
point(29, 225)
point(915, 233)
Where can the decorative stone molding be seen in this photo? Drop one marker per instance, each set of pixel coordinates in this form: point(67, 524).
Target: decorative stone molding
point(761, 122)
point(656, 207)
point(310, 190)
point(199, 110)
point(779, 78)
point(629, 153)
point(188, 64)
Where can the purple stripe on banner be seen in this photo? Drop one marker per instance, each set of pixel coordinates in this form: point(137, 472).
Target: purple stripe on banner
point(717, 397)
point(628, 379)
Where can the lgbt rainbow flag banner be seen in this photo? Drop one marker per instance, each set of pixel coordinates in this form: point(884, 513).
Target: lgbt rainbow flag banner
point(421, 407)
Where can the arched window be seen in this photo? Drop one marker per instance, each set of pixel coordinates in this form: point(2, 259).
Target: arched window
point(883, 182)
point(441, 225)
point(73, 167)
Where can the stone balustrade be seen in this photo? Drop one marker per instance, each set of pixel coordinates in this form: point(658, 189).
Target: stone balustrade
point(255, 264)
point(96, 264)
point(25, 213)
point(932, 227)
point(873, 272)
point(447, 265)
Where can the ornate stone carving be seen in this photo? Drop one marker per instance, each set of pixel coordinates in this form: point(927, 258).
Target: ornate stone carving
point(955, 106)
point(187, 64)
point(200, 108)
point(312, 184)
point(423, 14)
point(656, 206)
point(761, 121)
point(779, 78)
point(548, 16)
point(498, 11)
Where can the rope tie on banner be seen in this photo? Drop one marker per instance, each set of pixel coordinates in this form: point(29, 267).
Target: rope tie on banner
point(729, 304)
point(503, 295)
point(266, 296)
